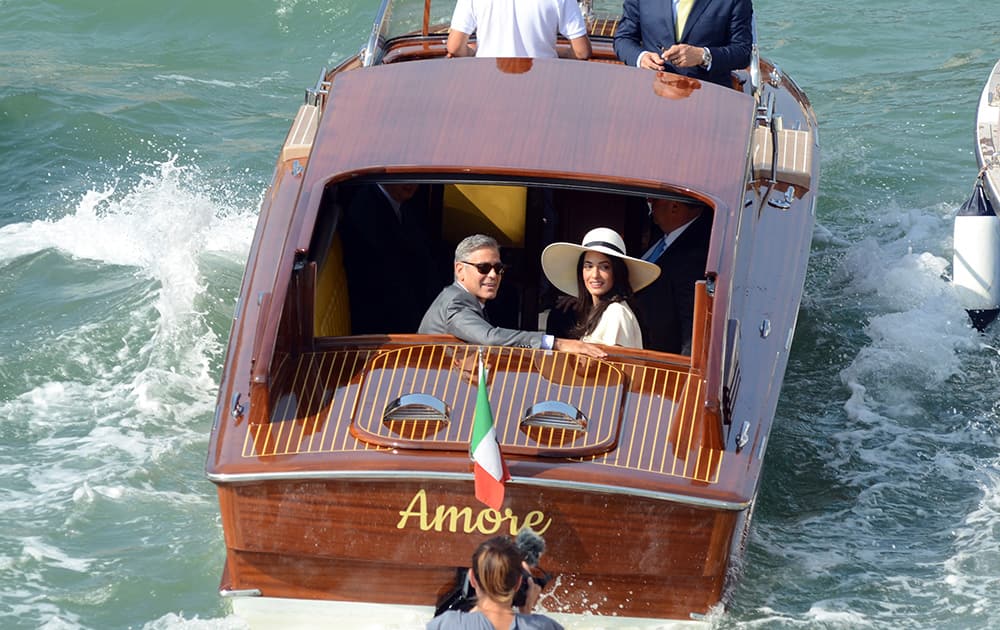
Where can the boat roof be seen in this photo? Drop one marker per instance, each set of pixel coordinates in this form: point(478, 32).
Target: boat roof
point(547, 118)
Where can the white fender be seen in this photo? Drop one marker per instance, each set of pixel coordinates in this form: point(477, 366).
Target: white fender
point(976, 264)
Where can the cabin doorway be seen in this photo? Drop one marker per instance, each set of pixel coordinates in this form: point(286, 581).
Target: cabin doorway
point(381, 259)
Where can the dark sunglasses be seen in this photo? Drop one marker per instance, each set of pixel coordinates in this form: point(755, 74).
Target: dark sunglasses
point(484, 268)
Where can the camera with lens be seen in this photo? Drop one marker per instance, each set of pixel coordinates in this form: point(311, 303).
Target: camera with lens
point(522, 591)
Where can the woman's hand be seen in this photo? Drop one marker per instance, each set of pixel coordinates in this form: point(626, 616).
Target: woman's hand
point(579, 347)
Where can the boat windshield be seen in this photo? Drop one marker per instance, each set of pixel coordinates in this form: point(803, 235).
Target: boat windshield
point(404, 17)
point(397, 18)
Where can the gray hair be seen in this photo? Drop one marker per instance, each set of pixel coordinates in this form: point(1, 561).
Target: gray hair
point(473, 243)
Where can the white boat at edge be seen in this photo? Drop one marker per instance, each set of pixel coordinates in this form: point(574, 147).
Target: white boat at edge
point(988, 135)
point(976, 264)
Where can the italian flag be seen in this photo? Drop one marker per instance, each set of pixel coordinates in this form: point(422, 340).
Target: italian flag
point(491, 470)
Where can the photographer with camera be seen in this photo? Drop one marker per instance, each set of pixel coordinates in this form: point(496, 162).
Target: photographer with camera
point(497, 574)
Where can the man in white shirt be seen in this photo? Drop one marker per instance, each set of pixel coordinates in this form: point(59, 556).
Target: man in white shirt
point(517, 28)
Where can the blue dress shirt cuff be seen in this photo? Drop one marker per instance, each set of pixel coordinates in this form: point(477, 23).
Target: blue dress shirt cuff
point(547, 342)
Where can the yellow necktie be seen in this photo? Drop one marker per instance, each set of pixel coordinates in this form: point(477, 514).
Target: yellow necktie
point(683, 10)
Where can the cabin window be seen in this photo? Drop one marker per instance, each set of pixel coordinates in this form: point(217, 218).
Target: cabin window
point(380, 262)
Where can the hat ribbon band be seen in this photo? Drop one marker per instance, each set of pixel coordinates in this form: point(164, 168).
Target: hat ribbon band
point(604, 244)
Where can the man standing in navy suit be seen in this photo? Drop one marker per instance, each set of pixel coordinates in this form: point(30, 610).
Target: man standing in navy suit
point(667, 305)
point(703, 39)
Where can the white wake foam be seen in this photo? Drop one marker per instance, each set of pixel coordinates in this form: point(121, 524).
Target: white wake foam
point(117, 401)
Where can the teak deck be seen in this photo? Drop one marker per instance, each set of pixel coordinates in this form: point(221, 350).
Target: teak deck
point(332, 402)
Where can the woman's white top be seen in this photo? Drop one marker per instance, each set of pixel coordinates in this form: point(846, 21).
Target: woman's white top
point(617, 327)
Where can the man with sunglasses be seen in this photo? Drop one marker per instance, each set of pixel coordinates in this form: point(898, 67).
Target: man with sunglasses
point(459, 309)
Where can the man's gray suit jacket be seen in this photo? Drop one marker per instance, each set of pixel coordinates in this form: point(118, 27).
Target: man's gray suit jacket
point(457, 312)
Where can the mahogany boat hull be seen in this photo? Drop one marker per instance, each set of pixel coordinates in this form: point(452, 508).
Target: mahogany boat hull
point(358, 539)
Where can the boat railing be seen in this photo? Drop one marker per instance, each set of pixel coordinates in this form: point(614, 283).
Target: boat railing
point(755, 70)
point(376, 41)
point(316, 94)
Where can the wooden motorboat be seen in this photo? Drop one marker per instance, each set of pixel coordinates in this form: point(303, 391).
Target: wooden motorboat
point(342, 459)
point(976, 259)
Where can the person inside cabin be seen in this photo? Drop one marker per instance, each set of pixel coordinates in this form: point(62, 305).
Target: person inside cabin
point(517, 28)
point(668, 302)
point(460, 308)
point(602, 279)
point(389, 258)
point(498, 567)
point(702, 39)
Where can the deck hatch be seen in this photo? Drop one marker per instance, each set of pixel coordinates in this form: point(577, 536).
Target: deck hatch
point(554, 414)
point(544, 403)
point(416, 412)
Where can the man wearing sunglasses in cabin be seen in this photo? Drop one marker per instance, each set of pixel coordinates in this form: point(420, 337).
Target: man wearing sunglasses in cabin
point(458, 309)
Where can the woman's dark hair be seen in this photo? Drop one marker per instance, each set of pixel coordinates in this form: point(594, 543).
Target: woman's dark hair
point(497, 566)
point(589, 314)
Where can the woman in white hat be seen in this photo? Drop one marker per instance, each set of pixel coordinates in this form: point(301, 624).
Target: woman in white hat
point(603, 279)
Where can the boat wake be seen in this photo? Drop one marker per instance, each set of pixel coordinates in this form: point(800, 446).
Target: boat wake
point(911, 448)
point(136, 291)
point(172, 229)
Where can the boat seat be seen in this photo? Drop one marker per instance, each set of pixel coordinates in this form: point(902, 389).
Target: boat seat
point(332, 314)
point(486, 209)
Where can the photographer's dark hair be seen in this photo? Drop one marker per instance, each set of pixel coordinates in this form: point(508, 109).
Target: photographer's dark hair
point(496, 564)
point(589, 314)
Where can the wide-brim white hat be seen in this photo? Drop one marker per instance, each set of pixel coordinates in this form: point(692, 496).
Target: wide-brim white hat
point(559, 260)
